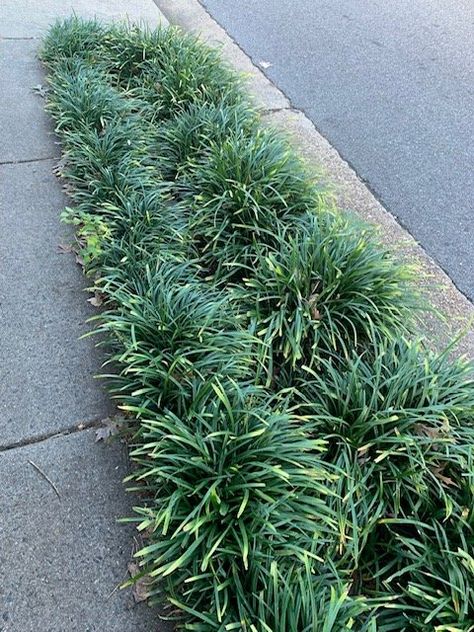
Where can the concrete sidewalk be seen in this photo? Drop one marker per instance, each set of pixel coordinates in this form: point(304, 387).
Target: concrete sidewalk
point(62, 552)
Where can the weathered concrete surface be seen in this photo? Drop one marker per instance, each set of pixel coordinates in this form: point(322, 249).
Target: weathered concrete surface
point(31, 18)
point(48, 372)
point(349, 190)
point(19, 106)
point(62, 558)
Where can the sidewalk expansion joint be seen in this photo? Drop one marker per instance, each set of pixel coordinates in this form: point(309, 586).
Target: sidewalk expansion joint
point(28, 160)
point(17, 39)
point(76, 427)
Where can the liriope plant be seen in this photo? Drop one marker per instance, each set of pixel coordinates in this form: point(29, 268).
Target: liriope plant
point(324, 288)
point(230, 483)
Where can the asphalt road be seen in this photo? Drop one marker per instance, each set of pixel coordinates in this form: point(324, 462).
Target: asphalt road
point(391, 86)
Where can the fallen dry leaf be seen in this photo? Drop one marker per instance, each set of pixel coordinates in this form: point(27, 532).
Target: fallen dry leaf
point(141, 588)
point(80, 260)
point(436, 433)
point(315, 313)
point(95, 300)
point(68, 189)
point(41, 90)
point(148, 532)
point(428, 431)
point(363, 453)
point(65, 248)
point(438, 472)
point(60, 166)
point(110, 427)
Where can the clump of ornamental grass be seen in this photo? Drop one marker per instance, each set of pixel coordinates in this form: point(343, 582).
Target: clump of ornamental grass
point(110, 165)
point(119, 241)
point(184, 141)
point(111, 185)
point(169, 333)
point(73, 37)
point(426, 571)
point(398, 421)
point(81, 98)
point(231, 482)
point(285, 595)
point(89, 151)
point(238, 196)
point(324, 287)
point(405, 414)
point(288, 596)
point(146, 229)
point(168, 69)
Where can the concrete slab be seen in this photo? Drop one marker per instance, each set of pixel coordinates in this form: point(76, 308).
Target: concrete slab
point(193, 17)
point(25, 129)
point(31, 18)
point(61, 558)
point(47, 379)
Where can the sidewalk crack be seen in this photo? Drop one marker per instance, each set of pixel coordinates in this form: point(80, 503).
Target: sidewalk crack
point(28, 160)
point(76, 427)
point(18, 39)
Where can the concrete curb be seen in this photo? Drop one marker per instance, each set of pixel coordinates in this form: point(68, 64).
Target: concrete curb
point(349, 190)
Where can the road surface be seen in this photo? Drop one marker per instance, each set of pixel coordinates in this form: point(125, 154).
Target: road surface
point(391, 86)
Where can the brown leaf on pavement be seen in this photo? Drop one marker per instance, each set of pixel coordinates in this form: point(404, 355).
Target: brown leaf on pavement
point(65, 248)
point(41, 90)
point(110, 428)
point(68, 188)
point(59, 167)
point(141, 588)
point(80, 260)
point(95, 300)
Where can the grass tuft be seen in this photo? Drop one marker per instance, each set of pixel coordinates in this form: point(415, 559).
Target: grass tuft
point(170, 334)
point(232, 482)
point(242, 192)
point(325, 288)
